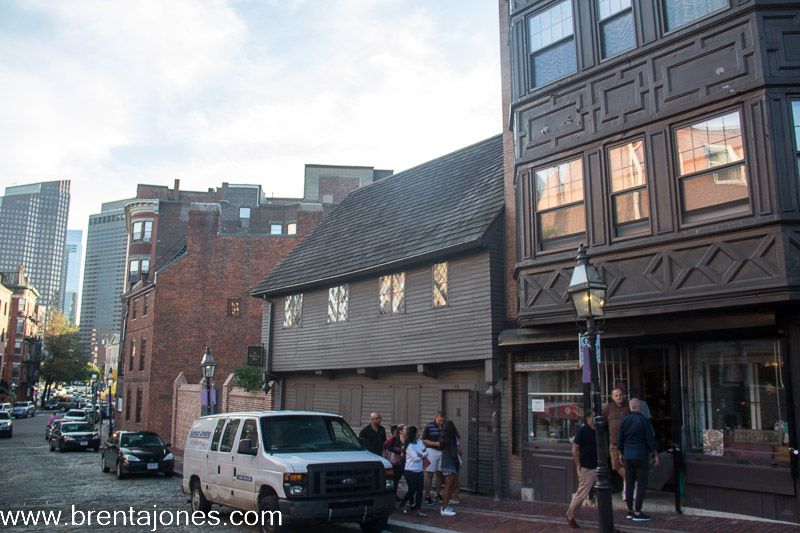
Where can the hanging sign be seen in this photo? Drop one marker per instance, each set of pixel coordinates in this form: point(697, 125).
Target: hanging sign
point(584, 354)
point(255, 355)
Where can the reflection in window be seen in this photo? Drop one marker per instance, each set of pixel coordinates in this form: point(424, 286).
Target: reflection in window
point(293, 311)
point(712, 174)
point(440, 284)
point(680, 12)
point(736, 402)
point(628, 178)
point(291, 228)
point(338, 301)
point(559, 203)
point(552, 44)
point(392, 293)
point(275, 229)
point(617, 31)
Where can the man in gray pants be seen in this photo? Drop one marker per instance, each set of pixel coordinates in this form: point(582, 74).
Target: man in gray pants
point(636, 442)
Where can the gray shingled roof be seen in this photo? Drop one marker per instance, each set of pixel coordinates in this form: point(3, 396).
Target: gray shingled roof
point(442, 206)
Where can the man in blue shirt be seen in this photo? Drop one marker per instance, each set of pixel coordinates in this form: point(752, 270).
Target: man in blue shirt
point(636, 442)
point(584, 453)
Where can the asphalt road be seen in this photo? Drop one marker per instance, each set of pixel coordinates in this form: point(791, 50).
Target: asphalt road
point(34, 479)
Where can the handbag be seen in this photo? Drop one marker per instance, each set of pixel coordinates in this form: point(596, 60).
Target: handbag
point(426, 462)
point(392, 457)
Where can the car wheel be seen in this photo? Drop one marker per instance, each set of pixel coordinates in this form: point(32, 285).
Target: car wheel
point(103, 464)
point(52, 448)
point(119, 472)
point(60, 448)
point(374, 526)
point(199, 502)
point(96, 449)
point(269, 503)
point(168, 474)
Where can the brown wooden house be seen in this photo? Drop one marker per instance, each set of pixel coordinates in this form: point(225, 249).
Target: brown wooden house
point(394, 303)
point(664, 135)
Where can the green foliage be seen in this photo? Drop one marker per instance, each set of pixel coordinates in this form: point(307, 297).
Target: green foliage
point(62, 360)
point(249, 378)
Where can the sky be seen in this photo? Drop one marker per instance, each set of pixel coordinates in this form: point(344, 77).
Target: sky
point(109, 94)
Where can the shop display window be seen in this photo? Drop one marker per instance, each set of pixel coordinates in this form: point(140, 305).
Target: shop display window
point(736, 400)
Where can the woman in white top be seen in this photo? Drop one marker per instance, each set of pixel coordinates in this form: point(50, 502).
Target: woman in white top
point(416, 453)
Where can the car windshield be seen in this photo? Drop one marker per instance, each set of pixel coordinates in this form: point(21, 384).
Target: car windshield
point(74, 428)
point(307, 433)
point(140, 440)
point(76, 412)
point(20, 404)
point(4, 415)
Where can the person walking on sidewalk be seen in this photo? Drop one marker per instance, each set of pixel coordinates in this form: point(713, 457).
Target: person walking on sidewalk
point(415, 453)
point(584, 453)
point(615, 412)
point(451, 464)
point(637, 444)
point(433, 473)
point(373, 436)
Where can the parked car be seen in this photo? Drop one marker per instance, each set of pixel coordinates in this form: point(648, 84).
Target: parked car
point(51, 425)
point(51, 404)
point(310, 466)
point(137, 452)
point(6, 424)
point(5, 407)
point(23, 409)
point(76, 415)
point(72, 435)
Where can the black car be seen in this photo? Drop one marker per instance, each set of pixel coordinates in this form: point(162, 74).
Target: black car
point(74, 435)
point(6, 424)
point(137, 452)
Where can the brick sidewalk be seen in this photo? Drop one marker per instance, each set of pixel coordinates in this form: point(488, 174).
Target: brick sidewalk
point(482, 514)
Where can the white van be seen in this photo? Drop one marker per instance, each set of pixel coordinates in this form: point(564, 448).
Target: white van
point(309, 466)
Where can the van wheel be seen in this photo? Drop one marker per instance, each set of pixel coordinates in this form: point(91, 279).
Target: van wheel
point(375, 526)
point(199, 502)
point(269, 503)
point(105, 467)
point(119, 472)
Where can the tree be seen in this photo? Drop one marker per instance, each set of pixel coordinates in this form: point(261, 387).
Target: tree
point(63, 359)
point(249, 378)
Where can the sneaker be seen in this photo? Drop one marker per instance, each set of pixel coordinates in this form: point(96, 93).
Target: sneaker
point(420, 513)
point(456, 502)
point(446, 511)
point(404, 510)
point(428, 501)
point(629, 516)
point(641, 517)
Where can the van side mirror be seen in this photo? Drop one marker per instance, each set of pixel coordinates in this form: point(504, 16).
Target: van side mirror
point(246, 447)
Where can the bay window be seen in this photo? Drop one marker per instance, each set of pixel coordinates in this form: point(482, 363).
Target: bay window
point(551, 41)
point(560, 215)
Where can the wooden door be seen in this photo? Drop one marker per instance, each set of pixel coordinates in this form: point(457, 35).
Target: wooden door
point(457, 409)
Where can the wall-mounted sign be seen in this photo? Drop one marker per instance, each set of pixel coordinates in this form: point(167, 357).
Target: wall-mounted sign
point(255, 356)
point(537, 405)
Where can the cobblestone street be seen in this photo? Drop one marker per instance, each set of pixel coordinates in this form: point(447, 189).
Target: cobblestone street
point(35, 479)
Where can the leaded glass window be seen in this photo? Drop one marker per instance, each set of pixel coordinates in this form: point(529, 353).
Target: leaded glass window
point(440, 284)
point(711, 166)
point(551, 38)
point(617, 31)
point(680, 12)
point(796, 123)
point(628, 177)
point(392, 289)
point(338, 302)
point(293, 311)
point(559, 204)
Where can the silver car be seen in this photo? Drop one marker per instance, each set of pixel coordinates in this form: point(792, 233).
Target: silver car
point(23, 409)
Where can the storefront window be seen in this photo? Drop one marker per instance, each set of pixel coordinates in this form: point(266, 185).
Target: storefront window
point(555, 391)
point(736, 403)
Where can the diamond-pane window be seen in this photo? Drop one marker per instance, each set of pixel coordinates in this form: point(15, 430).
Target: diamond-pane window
point(293, 311)
point(440, 284)
point(235, 307)
point(338, 299)
point(392, 293)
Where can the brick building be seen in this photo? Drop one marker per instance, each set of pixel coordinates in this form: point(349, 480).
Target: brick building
point(192, 259)
point(22, 347)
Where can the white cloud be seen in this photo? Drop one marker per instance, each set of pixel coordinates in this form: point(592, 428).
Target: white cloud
point(212, 91)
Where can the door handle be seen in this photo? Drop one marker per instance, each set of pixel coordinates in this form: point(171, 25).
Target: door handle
point(217, 469)
point(234, 471)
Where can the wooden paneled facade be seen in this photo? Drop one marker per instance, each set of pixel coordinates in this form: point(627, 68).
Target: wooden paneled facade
point(702, 307)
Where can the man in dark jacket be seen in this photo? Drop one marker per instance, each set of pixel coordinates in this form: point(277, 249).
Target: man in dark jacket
point(373, 436)
point(637, 444)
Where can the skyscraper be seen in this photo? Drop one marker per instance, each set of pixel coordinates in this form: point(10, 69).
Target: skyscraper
point(103, 274)
point(33, 233)
point(72, 274)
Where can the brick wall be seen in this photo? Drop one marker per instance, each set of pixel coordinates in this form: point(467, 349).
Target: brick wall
point(235, 399)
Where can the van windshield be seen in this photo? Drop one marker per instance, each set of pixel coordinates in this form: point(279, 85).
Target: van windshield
point(307, 433)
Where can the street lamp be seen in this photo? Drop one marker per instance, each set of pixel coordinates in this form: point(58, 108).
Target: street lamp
point(14, 391)
point(209, 367)
point(110, 383)
point(587, 290)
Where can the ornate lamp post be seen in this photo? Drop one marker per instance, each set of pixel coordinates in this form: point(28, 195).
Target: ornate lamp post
point(110, 383)
point(587, 291)
point(209, 368)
